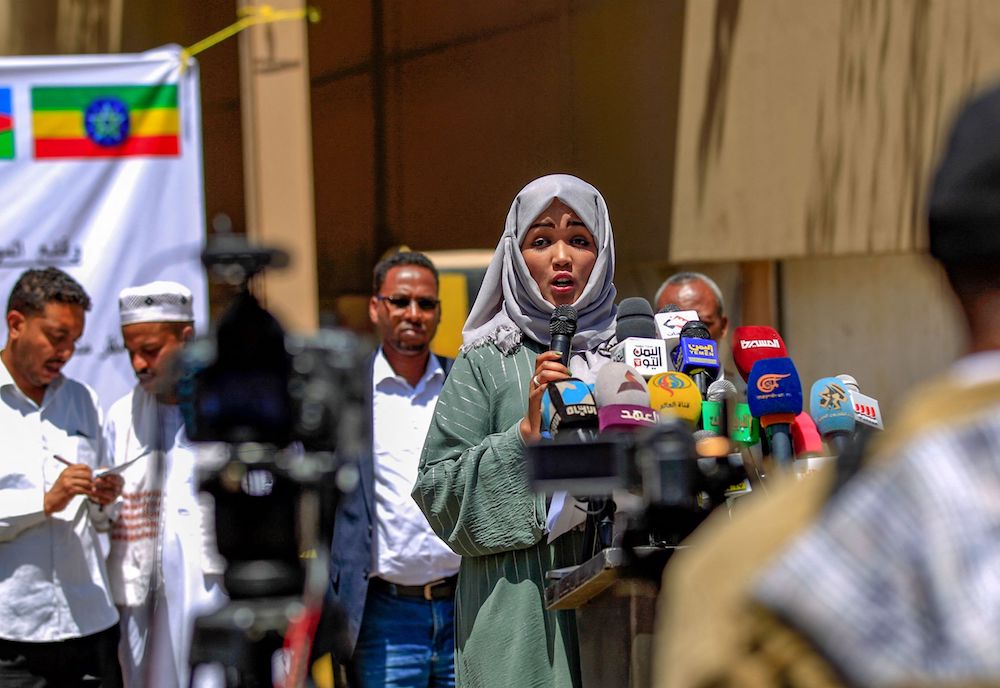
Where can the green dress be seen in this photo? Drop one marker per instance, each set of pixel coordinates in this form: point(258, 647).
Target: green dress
point(472, 486)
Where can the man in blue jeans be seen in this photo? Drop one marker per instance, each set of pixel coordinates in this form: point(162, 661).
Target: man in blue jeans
point(392, 575)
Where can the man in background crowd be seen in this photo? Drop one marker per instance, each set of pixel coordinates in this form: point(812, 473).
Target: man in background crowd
point(696, 292)
point(163, 565)
point(394, 577)
point(57, 622)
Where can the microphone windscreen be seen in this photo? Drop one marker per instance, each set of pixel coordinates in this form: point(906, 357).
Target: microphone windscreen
point(568, 404)
point(618, 383)
point(675, 394)
point(625, 417)
point(669, 308)
point(721, 389)
point(563, 321)
point(635, 319)
point(752, 343)
point(831, 407)
point(695, 328)
point(774, 388)
point(805, 437)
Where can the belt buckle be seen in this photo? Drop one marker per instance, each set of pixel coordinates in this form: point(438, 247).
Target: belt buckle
point(428, 588)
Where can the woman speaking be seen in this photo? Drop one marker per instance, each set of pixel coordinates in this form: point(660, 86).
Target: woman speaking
point(556, 249)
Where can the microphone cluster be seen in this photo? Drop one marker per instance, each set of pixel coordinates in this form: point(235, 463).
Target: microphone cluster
point(666, 366)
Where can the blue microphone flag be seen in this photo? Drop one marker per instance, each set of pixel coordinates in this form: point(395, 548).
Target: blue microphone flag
point(774, 387)
point(694, 354)
point(831, 407)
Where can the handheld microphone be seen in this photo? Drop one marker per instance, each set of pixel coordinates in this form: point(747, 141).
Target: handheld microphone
point(639, 345)
point(866, 408)
point(830, 405)
point(774, 394)
point(696, 355)
point(562, 327)
point(719, 400)
point(567, 406)
point(622, 399)
point(675, 394)
point(752, 343)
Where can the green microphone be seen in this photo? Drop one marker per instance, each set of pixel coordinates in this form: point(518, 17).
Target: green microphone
point(712, 418)
point(746, 428)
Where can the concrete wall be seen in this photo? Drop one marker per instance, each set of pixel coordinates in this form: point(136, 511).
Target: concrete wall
point(808, 127)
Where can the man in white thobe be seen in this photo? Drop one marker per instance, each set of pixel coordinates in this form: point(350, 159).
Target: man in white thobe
point(164, 567)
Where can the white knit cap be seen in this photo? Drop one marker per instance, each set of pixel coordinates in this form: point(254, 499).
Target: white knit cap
point(155, 302)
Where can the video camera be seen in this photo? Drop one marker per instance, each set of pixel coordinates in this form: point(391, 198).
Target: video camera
point(292, 411)
point(677, 485)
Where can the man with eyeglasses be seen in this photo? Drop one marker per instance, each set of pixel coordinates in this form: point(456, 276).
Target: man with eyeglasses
point(393, 576)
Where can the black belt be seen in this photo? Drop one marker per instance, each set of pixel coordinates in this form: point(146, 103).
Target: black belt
point(440, 589)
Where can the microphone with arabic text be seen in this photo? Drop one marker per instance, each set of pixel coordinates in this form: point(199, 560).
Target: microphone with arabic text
point(866, 409)
point(720, 400)
point(675, 394)
point(622, 399)
point(562, 327)
point(670, 320)
point(744, 429)
point(774, 394)
point(830, 405)
point(569, 412)
point(639, 344)
point(697, 355)
point(751, 343)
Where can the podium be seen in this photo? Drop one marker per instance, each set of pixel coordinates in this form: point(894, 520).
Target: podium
point(615, 613)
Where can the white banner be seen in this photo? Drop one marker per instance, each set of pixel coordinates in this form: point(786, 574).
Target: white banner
point(100, 175)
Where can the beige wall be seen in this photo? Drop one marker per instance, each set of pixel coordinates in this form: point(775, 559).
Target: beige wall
point(890, 321)
point(808, 127)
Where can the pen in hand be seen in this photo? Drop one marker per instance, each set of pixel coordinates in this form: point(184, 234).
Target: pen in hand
point(61, 460)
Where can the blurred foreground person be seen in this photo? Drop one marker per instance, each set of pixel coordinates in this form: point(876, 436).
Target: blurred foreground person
point(391, 573)
point(57, 622)
point(164, 567)
point(556, 249)
point(894, 578)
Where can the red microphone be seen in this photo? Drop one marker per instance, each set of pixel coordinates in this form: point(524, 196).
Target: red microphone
point(751, 343)
point(806, 440)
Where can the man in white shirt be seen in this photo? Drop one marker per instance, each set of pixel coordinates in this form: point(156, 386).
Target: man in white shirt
point(163, 566)
point(394, 577)
point(57, 622)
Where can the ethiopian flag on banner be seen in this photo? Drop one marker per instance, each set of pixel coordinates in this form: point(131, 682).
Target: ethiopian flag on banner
point(6, 126)
point(105, 121)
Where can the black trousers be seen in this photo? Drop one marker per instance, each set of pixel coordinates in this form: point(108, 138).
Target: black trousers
point(88, 661)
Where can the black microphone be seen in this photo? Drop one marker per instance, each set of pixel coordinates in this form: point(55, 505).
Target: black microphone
point(635, 319)
point(669, 308)
point(562, 327)
point(695, 328)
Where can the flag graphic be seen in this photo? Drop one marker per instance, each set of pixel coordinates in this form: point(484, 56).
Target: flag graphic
point(105, 121)
point(6, 125)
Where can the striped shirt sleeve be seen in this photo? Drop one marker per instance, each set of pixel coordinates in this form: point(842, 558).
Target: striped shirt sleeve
point(472, 483)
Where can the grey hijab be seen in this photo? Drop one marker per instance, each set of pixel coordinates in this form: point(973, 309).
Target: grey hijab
point(510, 304)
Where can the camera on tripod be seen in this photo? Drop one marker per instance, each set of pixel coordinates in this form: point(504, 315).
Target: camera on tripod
point(292, 411)
point(677, 486)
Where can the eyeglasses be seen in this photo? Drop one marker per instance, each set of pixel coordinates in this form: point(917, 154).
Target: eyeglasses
point(424, 303)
